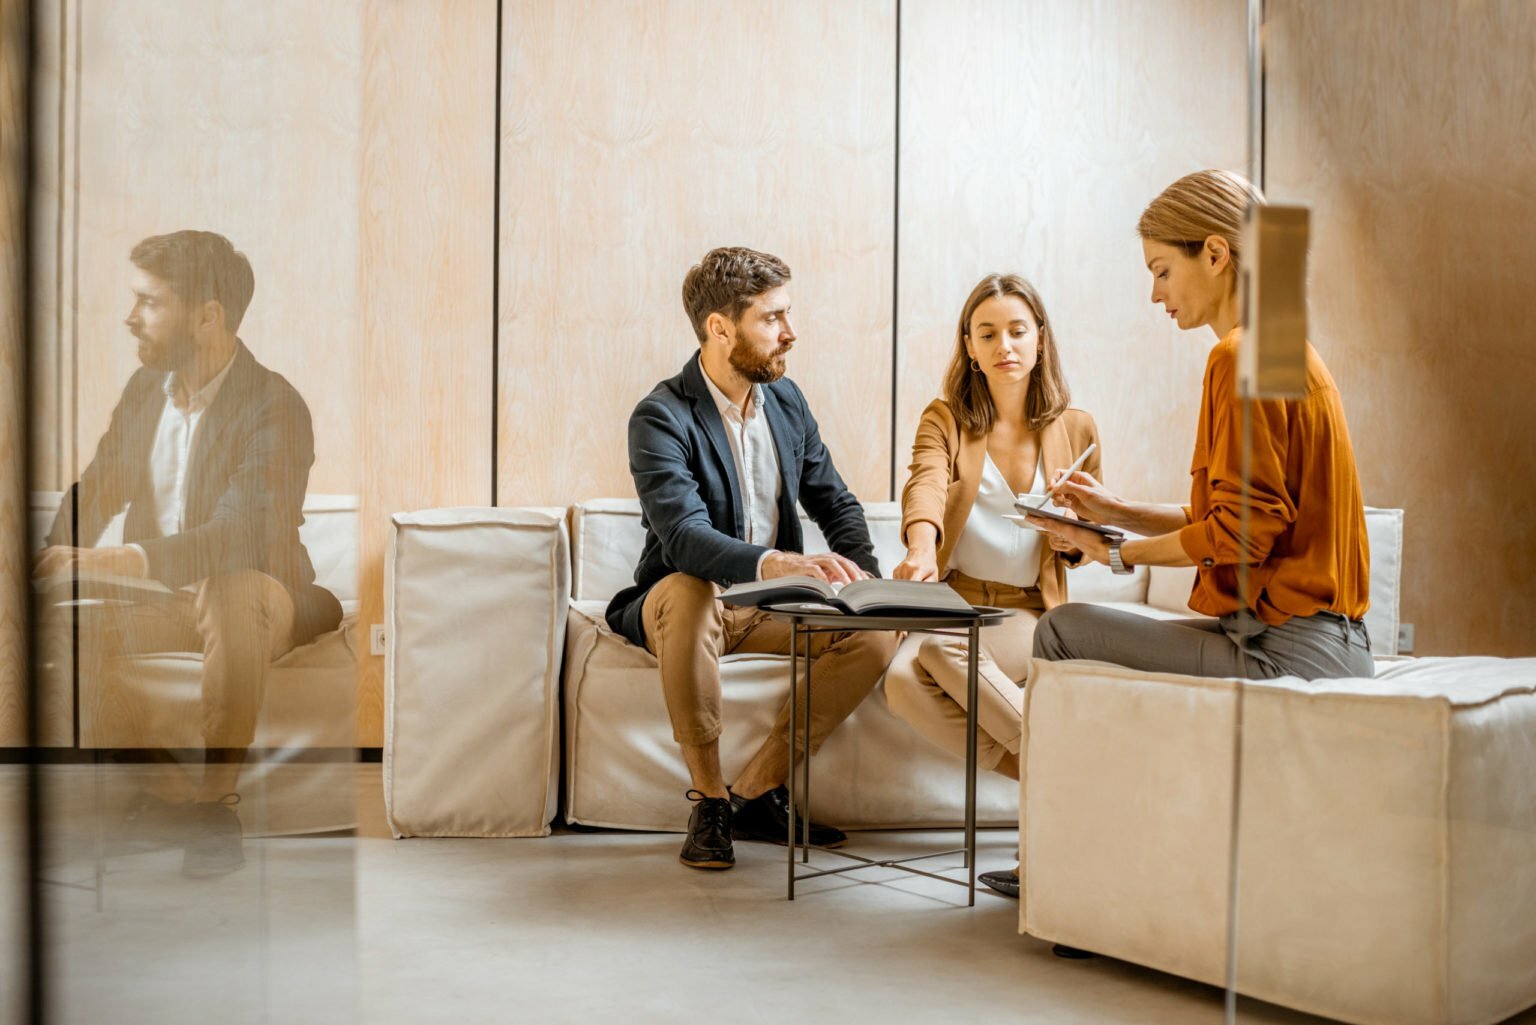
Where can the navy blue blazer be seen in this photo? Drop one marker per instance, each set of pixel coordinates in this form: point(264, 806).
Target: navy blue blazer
point(246, 479)
point(690, 499)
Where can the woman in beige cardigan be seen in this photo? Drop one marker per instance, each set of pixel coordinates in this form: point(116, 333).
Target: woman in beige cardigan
point(1002, 428)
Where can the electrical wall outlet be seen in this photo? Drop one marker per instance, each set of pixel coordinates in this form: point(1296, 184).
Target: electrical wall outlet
point(1405, 639)
point(376, 639)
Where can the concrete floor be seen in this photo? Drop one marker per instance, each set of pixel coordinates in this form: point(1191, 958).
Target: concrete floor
point(579, 927)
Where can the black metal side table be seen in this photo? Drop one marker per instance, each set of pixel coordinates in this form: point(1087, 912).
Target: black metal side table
point(805, 620)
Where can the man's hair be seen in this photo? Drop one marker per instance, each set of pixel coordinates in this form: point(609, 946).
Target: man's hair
point(726, 281)
point(199, 266)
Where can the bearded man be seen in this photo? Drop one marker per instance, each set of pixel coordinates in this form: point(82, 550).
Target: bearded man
point(209, 453)
point(721, 454)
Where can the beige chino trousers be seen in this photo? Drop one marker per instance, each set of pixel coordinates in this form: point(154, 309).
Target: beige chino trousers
point(241, 622)
point(926, 684)
point(688, 631)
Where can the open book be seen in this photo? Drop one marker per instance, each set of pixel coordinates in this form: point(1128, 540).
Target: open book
point(862, 596)
point(97, 588)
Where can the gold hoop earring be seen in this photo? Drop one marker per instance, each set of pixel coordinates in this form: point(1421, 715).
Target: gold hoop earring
point(975, 367)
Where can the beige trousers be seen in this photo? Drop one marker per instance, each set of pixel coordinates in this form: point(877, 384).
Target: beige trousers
point(926, 684)
point(241, 622)
point(688, 631)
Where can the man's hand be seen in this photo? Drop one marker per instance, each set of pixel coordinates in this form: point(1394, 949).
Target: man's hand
point(1092, 544)
point(52, 560)
point(121, 561)
point(1085, 496)
point(832, 568)
point(921, 563)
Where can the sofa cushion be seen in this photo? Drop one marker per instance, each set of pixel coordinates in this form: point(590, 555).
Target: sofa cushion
point(475, 605)
point(1387, 835)
point(607, 538)
point(1097, 583)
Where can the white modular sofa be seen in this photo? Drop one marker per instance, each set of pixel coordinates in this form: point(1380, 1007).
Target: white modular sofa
point(622, 768)
point(1386, 826)
point(152, 701)
point(496, 634)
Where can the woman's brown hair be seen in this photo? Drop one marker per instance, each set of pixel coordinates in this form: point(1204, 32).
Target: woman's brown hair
point(966, 390)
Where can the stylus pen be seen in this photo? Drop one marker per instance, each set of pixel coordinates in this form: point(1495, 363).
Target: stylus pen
point(1076, 465)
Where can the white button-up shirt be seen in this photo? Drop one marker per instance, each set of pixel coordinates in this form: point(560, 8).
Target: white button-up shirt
point(993, 547)
point(757, 465)
point(172, 451)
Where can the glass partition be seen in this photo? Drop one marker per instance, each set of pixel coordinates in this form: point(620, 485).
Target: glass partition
point(192, 509)
point(1386, 834)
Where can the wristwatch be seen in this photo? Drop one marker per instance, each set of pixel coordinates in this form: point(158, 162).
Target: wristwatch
point(1117, 564)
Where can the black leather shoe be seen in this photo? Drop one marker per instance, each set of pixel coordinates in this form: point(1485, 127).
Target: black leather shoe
point(214, 844)
point(1006, 883)
point(709, 833)
point(1062, 950)
point(766, 817)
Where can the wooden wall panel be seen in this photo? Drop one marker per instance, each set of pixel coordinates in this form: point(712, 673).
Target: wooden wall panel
point(1410, 129)
point(428, 181)
point(635, 137)
point(1032, 135)
point(237, 118)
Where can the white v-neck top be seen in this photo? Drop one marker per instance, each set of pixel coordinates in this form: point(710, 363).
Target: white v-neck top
point(991, 547)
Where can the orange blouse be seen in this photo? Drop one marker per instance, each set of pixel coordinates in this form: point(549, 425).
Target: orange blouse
point(1306, 548)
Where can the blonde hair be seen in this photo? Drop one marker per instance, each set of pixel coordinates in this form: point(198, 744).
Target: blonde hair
point(966, 390)
point(1198, 206)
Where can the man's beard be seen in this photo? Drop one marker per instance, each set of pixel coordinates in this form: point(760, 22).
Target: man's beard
point(167, 354)
point(764, 369)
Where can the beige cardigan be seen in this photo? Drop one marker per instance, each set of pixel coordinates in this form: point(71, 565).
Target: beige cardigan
point(946, 474)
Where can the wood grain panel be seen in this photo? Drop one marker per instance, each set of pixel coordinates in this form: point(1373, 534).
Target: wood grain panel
point(1411, 132)
point(637, 136)
point(1033, 134)
point(13, 507)
point(428, 183)
point(241, 119)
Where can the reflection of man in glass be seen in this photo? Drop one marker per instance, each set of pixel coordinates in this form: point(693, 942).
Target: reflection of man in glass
point(209, 451)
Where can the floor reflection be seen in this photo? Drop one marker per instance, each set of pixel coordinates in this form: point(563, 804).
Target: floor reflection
point(131, 937)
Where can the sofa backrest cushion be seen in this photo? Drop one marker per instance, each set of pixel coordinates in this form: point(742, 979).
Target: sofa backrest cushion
point(329, 533)
point(1169, 587)
point(607, 538)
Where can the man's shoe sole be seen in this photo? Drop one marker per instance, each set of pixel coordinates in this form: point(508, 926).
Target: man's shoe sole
point(706, 864)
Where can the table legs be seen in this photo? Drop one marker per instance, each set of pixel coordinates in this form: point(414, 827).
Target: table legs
point(800, 711)
point(970, 764)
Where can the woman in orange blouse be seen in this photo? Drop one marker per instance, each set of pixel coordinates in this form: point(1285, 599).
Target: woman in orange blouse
point(1308, 567)
point(1002, 428)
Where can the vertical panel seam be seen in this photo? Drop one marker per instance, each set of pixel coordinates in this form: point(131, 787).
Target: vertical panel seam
point(895, 258)
point(74, 255)
point(496, 276)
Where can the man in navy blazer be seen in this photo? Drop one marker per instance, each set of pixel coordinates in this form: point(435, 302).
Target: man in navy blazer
point(209, 452)
point(721, 454)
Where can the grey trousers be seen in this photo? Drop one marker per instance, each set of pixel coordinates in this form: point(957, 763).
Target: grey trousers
point(1318, 647)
